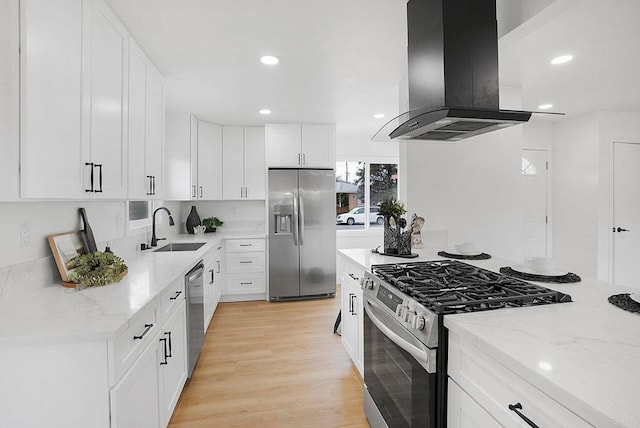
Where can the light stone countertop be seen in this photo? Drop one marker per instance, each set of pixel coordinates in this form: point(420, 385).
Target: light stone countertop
point(584, 354)
point(35, 309)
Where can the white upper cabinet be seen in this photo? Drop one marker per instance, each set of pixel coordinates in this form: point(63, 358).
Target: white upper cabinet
point(74, 97)
point(9, 100)
point(209, 161)
point(146, 126)
point(243, 163)
point(51, 150)
point(109, 70)
point(300, 146)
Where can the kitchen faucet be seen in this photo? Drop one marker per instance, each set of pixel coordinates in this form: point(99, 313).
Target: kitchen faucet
point(154, 240)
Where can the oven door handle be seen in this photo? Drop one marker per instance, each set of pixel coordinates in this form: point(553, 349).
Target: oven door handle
point(417, 350)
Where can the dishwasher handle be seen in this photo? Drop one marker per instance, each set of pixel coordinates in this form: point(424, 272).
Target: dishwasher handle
point(195, 273)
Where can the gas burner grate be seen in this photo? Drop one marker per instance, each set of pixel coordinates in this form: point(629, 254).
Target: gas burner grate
point(448, 286)
point(623, 301)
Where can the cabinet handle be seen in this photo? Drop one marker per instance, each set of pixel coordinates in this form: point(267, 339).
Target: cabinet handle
point(150, 192)
point(90, 164)
point(193, 191)
point(353, 305)
point(246, 192)
point(242, 262)
point(218, 263)
point(350, 303)
point(178, 293)
point(518, 406)
point(304, 159)
point(99, 165)
point(355, 278)
point(299, 159)
point(246, 283)
point(153, 182)
point(246, 245)
point(147, 327)
point(211, 271)
point(169, 334)
point(201, 191)
point(165, 356)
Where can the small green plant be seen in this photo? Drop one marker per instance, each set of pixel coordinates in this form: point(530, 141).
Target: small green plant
point(97, 268)
point(392, 207)
point(212, 222)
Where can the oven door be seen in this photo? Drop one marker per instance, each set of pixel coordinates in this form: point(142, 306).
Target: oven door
point(399, 373)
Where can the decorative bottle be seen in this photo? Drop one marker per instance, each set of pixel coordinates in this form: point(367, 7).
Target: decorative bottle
point(193, 220)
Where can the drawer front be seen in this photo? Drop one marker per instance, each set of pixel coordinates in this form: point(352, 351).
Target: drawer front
point(126, 348)
point(246, 284)
point(245, 262)
point(171, 298)
point(495, 387)
point(352, 273)
point(244, 245)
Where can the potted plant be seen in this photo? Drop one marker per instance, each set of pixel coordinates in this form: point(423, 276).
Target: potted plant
point(392, 209)
point(211, 223)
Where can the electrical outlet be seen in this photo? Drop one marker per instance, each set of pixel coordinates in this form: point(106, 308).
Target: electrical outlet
point(24, 234)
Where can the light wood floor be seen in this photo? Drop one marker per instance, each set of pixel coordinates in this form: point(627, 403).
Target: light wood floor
point(273, 365)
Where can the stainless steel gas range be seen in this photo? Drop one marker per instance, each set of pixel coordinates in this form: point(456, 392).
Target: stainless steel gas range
point(405, 341)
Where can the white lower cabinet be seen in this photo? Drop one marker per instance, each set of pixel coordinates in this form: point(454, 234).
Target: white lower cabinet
point(135, 399)
point(351, 315)
point(484, 393)
point(213, 282)
point(172, 375)
point(245, 268)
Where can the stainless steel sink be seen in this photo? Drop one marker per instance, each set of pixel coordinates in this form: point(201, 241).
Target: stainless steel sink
point(180, 246)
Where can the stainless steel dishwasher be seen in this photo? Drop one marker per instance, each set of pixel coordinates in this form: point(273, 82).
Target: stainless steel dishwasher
point(195, 314)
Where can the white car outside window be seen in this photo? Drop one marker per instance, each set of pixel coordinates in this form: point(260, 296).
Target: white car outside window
point(356, 216)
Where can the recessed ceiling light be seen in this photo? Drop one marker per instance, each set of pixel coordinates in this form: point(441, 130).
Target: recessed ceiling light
point(269, 60)
point(545, 106)
point(265, 111)
point(378, 115)
point(562, 59)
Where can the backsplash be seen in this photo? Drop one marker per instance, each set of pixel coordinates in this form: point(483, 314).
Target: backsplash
point(238, 216)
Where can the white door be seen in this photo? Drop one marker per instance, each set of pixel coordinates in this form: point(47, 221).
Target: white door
point(110, 42)
point(534, 203)
point(254, 163)
point(209, 161)
point(233, 162)
point(626, 214)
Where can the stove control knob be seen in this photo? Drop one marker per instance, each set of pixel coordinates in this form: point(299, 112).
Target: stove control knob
point(401, 310)
point(366, 283)
point(418, 323)
point(409, 317)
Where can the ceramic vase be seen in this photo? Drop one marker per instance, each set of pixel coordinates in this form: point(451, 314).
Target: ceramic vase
point(193, 220)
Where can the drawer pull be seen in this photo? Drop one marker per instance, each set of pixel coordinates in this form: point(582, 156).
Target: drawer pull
point(245, 262)
point(246, 283)
point(354, 277)
point(178, 293)
point(246, 245)
point(169, 334)
point(147, 327)
point(165, 356)
point(518, 406)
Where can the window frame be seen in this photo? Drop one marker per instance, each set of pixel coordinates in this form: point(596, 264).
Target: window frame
point(368, 160)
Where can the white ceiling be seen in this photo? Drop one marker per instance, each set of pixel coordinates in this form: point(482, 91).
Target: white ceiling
point(342, 61)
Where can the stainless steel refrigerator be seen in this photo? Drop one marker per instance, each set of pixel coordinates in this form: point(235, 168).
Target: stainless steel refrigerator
point(302, 234)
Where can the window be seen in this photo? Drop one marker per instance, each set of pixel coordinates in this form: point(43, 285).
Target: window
point(139, 213)
point(360, 184)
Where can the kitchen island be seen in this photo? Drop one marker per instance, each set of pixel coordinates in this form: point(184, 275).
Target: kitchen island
point(583, 355)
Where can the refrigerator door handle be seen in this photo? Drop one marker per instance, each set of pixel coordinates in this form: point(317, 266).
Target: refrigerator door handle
point(295, 217)
point(301, 203)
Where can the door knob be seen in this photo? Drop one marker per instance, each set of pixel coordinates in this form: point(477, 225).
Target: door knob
point(620, 229)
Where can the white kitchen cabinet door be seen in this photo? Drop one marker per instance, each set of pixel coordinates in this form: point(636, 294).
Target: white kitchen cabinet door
point(135, 399)
point(109, 59)
point(283, 145)
point(193, 139)
point(209, 161)
point(173, 364)
point(254, 163)
point(178, 174)
point(464, 412)
point(318, 146)
point(51, 149)
point(233, 162)
point(139, 182)
point(154, 148)
point(9, 100)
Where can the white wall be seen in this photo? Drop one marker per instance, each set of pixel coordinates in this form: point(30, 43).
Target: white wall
point(47, 218)
point(470, 188)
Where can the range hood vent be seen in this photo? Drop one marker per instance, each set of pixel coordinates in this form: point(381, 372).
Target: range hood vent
point(453, 73)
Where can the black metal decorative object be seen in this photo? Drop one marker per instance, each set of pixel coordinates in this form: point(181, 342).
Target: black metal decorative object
point(193, 220)
point(557, 279)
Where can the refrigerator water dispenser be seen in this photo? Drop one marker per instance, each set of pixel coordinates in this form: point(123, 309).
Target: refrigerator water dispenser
point(282, 218)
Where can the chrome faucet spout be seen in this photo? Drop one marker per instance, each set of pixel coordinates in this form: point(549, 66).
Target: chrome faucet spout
point(154, 239)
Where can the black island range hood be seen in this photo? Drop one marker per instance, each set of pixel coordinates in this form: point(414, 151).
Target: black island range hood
point(453, 74)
